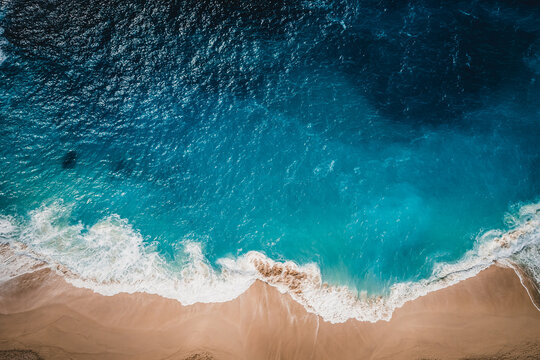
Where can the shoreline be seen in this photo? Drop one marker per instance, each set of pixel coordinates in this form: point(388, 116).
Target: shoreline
point(489, 315)
point(107, 269)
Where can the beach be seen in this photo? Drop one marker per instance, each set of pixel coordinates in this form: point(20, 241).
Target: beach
point(489, 316)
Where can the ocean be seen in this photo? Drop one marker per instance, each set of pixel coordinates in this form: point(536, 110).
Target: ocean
point(355, 154)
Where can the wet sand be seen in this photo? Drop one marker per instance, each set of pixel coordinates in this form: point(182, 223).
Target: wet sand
point(488, 316)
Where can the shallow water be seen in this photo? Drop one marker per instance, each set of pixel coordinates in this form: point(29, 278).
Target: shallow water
point(376, 140)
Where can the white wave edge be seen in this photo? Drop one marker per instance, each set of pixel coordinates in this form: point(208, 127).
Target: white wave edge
point(110, 257)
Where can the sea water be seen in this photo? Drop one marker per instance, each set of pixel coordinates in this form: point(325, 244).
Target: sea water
point(355, 154)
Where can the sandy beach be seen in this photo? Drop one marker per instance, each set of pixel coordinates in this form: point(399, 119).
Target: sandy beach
point(488, 316)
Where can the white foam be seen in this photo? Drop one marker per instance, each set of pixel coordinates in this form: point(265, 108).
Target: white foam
point(13, 264)
point(111, 257)
point(338, 304)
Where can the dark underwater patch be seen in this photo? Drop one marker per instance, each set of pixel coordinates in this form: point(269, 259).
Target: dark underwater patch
point(429, 61)
point(69, 160)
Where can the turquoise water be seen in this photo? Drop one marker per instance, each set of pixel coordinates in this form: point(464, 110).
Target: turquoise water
point(374, 139)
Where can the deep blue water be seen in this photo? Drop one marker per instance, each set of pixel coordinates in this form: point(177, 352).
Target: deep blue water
point(374, 138)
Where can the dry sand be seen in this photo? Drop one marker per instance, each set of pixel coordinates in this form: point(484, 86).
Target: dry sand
point(488, 316)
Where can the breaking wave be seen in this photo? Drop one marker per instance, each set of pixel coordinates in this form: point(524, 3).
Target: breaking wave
point(110, 257)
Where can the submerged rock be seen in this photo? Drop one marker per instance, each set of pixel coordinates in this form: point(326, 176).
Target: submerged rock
point(70, 160)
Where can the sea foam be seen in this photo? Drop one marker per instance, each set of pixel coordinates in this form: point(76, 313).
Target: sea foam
point(110, 257)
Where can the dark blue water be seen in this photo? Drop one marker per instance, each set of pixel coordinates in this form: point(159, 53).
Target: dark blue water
point(373, 138)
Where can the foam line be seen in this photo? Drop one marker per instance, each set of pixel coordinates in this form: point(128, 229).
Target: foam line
point(111, 257)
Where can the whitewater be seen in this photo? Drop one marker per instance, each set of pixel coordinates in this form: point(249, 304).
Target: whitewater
point(110, 257)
